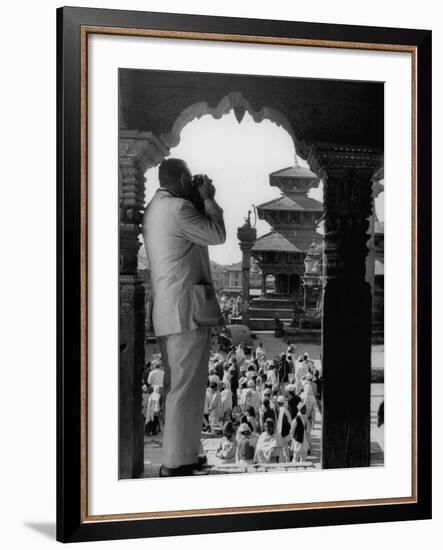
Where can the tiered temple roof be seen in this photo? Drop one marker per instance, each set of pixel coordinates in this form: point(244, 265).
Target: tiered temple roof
point(293, 216)
point(274, 242)
point(294, 179)
point(279, 241)
point(292, 204)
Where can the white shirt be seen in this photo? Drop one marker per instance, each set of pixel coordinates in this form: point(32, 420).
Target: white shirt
point(155, 377)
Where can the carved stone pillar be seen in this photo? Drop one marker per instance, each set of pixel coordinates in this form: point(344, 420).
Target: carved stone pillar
point(346, 307)
point(246, 235)
point(137, 152)
point(377, 188)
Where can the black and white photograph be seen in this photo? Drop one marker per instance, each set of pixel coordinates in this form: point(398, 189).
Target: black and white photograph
point(208, 343)
point(251, 284)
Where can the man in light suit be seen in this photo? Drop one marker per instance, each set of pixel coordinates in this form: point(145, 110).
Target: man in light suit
point(176, 236)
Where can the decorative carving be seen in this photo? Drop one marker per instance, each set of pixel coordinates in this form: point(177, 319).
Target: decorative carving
point(240, 105)
point(347, 207)
point(348, 194)
point(131, 294)
point(144, 146)
point(334, 158)
point(239, 113)
point(137, 152)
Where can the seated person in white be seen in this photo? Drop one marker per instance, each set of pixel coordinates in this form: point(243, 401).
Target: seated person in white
point(228, 445)
point(270, 446)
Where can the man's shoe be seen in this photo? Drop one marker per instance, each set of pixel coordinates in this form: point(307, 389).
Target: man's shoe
point(173, 472)
point(201, 466)
point(201, 463)
point(186, 470)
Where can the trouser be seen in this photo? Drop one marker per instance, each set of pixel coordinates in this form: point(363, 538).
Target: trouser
point(185, 358)
point(153, 426)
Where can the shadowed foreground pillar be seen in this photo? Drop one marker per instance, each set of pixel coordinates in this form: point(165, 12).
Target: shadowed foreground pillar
point(138, 151)
point(346, 310)
point(132, 317)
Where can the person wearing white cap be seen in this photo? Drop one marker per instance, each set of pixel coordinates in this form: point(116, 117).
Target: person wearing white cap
point(240, 354)
point(157, 374)
point(267, 409)
point(290, 353)
point(270, 447)
point(226, 400)
point(216, 355)
point(227, 449)
point(250, 397)
point(260, 353)
point(298, 433)
point(226, 375)
point(271, 374)
point(213, 376)
point(145, 398)
point(309, 362)
point(251, 372)
point(284, 422)
point(301, 370)
point(308, 396)
point(293, 400)
point(153, 412)
point(246, 444)
point(215, 407)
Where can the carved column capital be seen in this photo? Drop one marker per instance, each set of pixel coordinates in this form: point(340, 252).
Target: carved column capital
point(145, 147)
point(138, 151)
point(336, 157)
point(348, 200)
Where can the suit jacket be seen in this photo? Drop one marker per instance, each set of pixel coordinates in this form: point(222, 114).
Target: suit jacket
point(176, 237)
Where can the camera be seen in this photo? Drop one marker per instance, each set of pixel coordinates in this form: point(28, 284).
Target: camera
point(197, 181)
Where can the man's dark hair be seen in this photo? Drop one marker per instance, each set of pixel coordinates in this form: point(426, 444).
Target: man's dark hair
point(170, 171)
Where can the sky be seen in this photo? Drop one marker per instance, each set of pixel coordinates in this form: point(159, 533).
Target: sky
point(238, 157)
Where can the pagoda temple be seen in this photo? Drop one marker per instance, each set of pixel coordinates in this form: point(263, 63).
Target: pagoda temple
point(281, 253)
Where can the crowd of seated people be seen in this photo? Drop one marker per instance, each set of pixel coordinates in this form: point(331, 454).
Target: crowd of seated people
point(263, 409)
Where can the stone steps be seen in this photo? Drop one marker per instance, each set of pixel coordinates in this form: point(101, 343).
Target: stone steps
point(263, 323)
point(260, 313)
point(272, 303)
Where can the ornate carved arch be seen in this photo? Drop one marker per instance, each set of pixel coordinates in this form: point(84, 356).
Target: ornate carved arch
point(240, 105)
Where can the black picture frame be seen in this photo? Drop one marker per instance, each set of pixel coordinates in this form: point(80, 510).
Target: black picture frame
point(71, 523)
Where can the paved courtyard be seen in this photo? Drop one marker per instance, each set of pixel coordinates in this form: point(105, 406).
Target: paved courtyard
point(313, 461)
point(274, 346)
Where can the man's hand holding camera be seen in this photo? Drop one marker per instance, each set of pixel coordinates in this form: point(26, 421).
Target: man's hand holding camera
point(206, 188)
